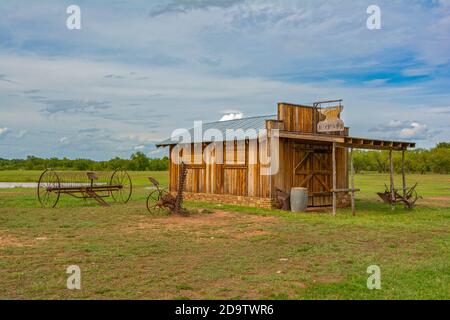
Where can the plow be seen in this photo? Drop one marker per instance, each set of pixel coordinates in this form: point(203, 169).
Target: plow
point(160, 199)
point(83, 185)
point(408, 198)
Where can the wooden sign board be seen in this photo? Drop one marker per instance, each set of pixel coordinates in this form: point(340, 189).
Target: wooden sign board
point(332, 123)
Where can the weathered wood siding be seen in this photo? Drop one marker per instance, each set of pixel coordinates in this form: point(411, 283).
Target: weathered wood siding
point(233, 175)
point(298, 118)
point(302, 164)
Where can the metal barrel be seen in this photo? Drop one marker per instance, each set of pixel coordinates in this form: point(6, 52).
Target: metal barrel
point(299, 199)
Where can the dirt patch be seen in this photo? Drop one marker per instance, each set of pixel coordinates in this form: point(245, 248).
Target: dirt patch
point(219, 219)
point(11, 194)
point(11, 241)
point(443, 198)
point(228, 288)
point(300, 285)
point(251, 234)
point(442, 201)
point(328, 279)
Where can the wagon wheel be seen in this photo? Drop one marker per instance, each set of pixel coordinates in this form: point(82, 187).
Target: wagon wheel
point(154, 202)
point(123, 180)
point(48, 190)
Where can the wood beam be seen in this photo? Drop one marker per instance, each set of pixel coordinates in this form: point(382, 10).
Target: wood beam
point(324, 164)
point(309, 177)
point(311, 137)
point(352, 177)
point(371, 147)
point(306, 172)
point(391, 175)
point(362, 143)
point(346, 190)
point(403, 174)
point(307, 155)
point(334, 178)
point(322, 183)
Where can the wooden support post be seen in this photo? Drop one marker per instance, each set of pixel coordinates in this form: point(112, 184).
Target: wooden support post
point(352, 177)
point(391, 174)
point(334, 178)
point(403, 173)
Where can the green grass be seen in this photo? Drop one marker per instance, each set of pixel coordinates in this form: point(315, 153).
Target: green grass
point(227, 252)
point(429, 185)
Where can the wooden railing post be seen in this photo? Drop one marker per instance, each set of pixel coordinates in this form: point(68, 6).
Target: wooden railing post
point(391, 174)
point(352, 177)
point(334, 178)
point(403, 173)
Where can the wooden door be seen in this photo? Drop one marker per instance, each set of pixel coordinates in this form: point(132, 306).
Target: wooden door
point(312, 170)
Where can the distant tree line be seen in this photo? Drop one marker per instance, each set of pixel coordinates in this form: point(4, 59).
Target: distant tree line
point(436, 160)
point(137, 162)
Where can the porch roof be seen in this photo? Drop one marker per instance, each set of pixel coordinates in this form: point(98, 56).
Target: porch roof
point(349, 142)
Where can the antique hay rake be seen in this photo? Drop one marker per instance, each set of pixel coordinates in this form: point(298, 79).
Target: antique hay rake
point(83, 185)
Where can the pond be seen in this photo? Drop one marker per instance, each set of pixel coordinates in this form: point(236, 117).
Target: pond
point(10, 185)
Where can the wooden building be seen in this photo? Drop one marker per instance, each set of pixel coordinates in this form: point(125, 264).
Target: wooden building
point(313, 152)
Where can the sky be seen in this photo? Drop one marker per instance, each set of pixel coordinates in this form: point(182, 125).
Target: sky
point(137, 70)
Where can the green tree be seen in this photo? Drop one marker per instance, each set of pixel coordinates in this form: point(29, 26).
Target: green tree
point(419, 160)
point(440, 160)
point(443, 145)
point(138, 161)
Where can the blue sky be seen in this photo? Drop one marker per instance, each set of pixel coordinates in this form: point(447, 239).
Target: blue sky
point(139, 69)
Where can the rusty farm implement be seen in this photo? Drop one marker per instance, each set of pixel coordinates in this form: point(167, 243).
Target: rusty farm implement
point(408, 197)
point(160, 199)
point(83, 185)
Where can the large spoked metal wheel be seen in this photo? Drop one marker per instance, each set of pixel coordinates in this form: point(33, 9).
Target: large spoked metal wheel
point(155, 202)
point(48, 190)
point(122, 180)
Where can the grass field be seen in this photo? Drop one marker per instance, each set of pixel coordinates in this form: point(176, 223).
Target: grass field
point(224, 251)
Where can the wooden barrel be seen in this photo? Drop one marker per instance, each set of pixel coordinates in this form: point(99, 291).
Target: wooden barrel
point(299, 199)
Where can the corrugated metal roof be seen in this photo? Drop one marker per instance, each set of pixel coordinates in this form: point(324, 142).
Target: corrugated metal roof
point(249, 129)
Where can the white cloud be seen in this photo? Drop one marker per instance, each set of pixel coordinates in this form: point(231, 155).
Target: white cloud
point(395, 124)
point(64, 140)
point(416, 130)
point(21, 134)
point(244, 35)
point(435, 110)
point(406, 130)
point(414, 72)
point(140, 137)
point(138, 148)
point(232, 116)
point(4, 131)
